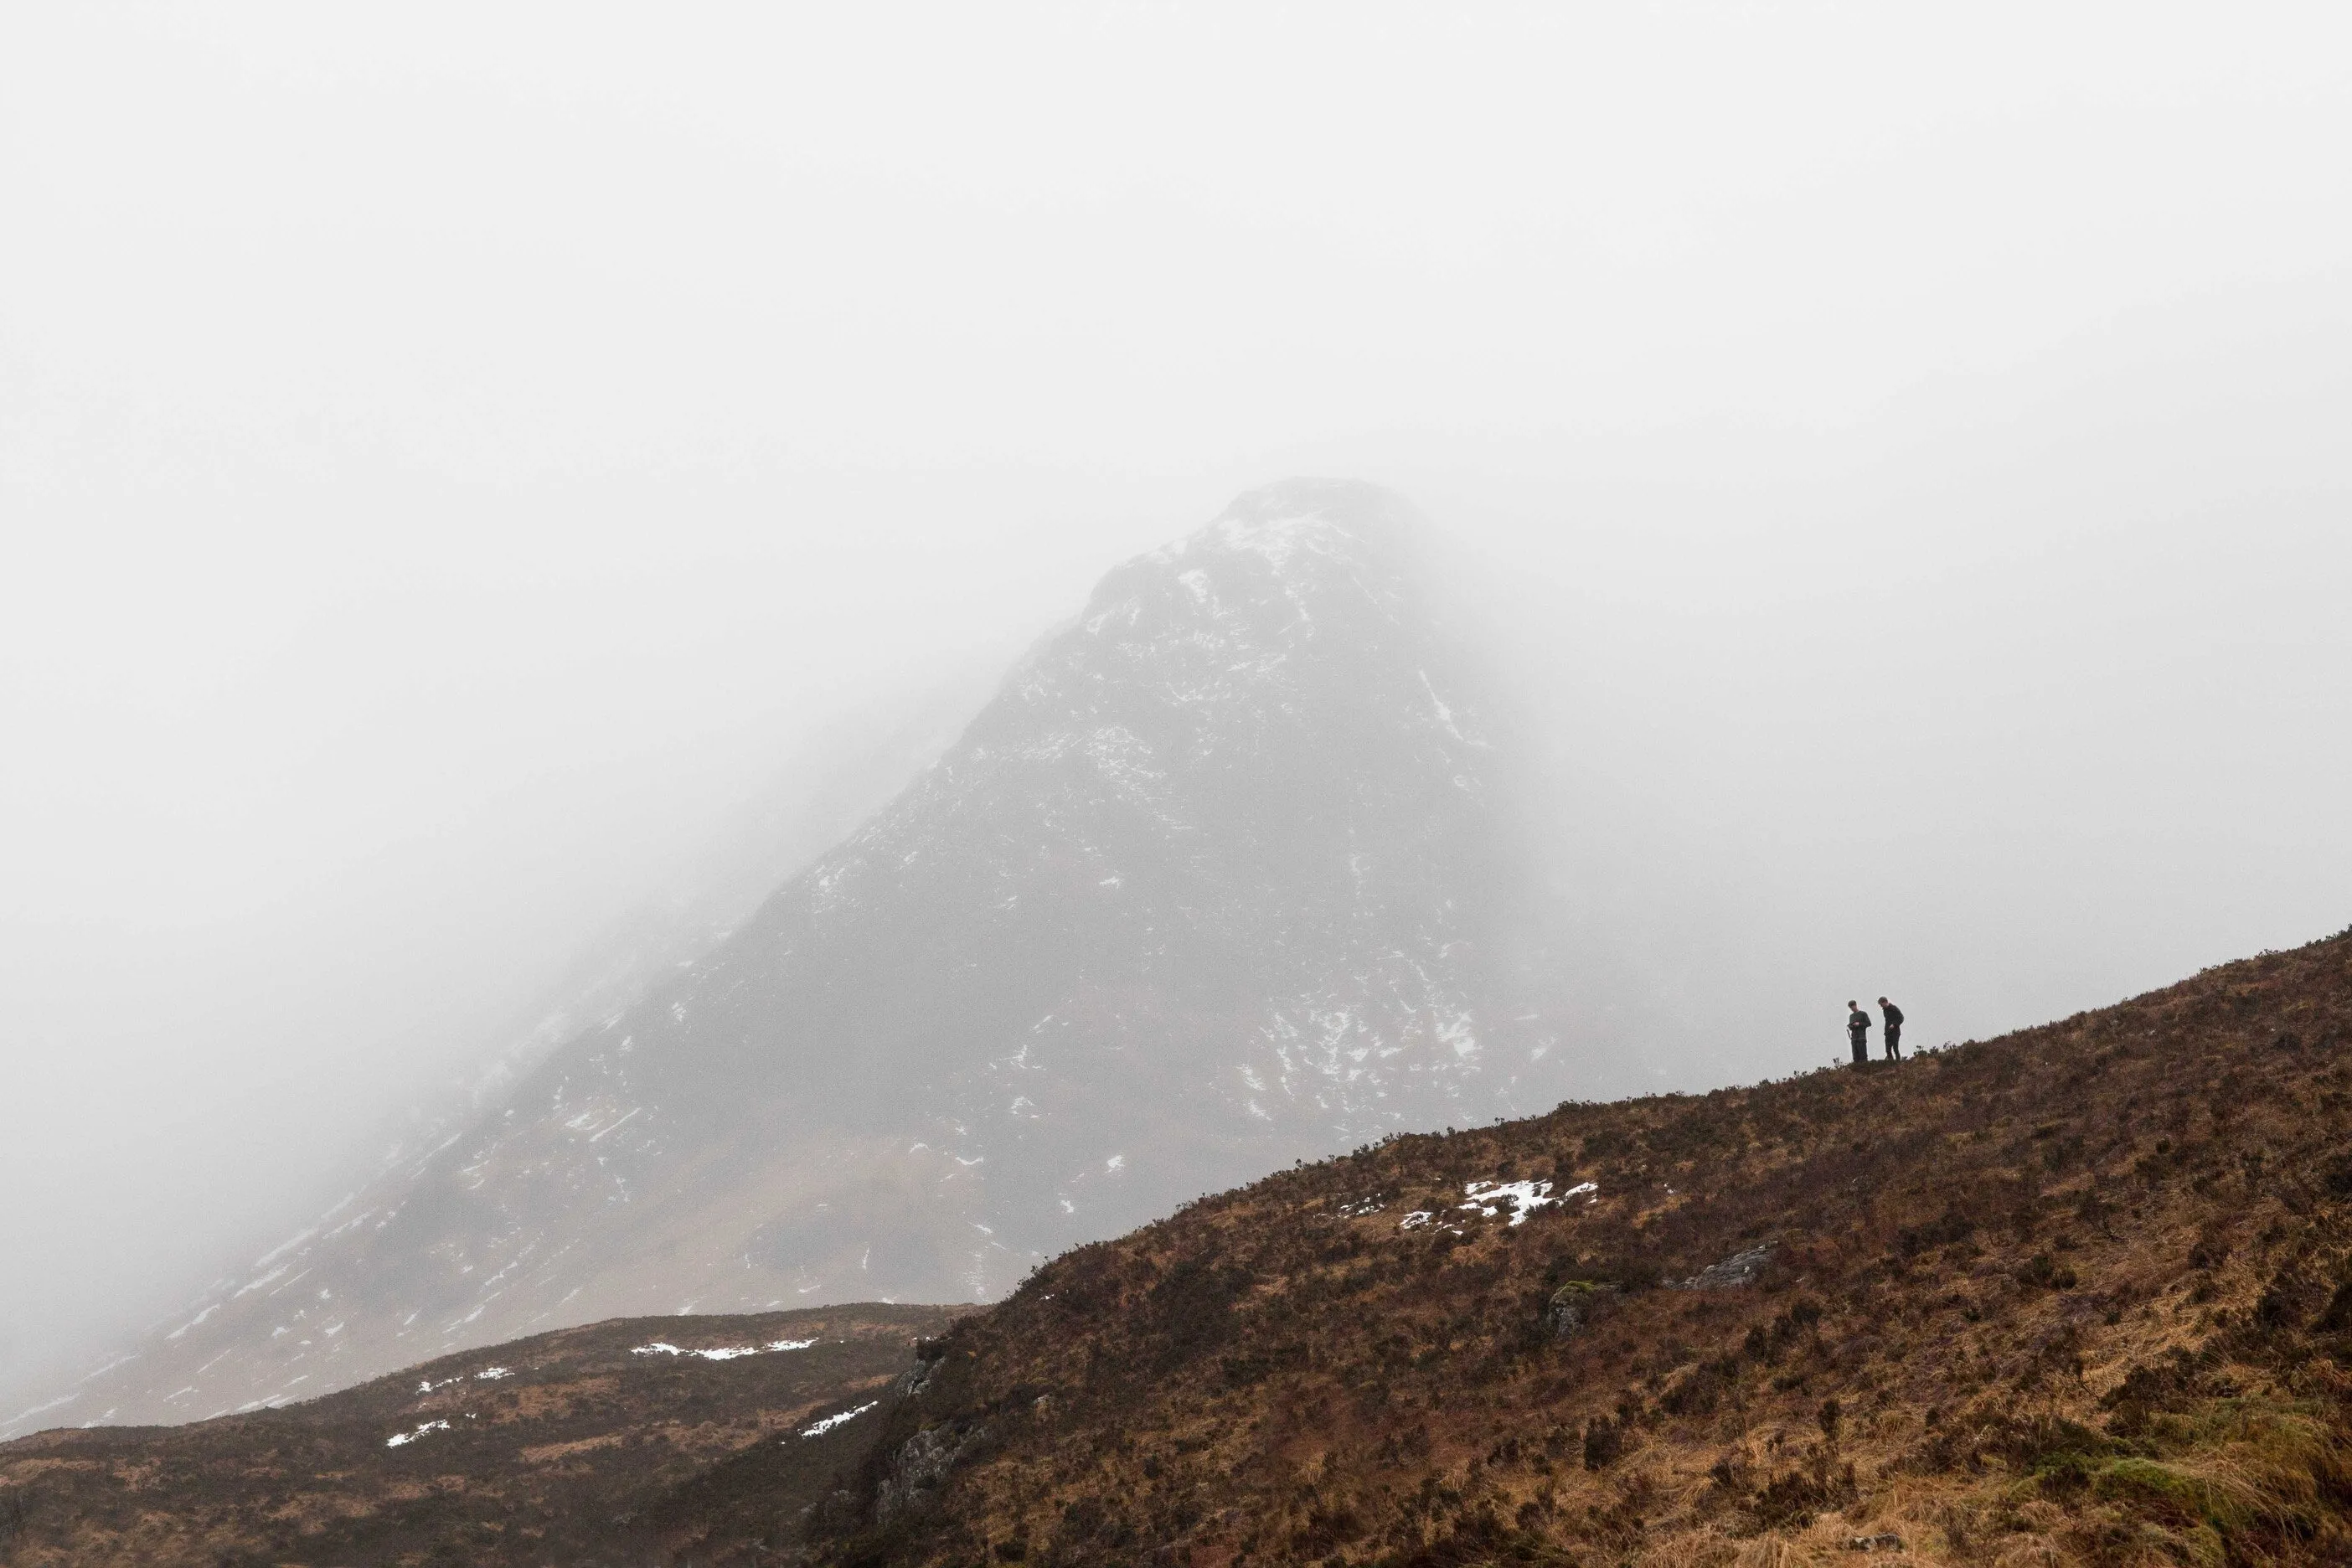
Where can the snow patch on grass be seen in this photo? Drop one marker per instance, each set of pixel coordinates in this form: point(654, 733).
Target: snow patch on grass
point(1524, 1198)
point(721, 1352)
point(819, 1428)
point(400, 1439)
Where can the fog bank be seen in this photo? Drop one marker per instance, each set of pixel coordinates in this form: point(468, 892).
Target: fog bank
point(457, 469)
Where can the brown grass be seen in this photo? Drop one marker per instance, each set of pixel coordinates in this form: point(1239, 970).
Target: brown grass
point(2068, 1291)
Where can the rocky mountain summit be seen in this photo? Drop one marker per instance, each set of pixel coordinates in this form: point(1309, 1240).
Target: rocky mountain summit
point(1220, 877)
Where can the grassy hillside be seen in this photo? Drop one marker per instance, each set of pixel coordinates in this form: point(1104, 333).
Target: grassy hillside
point(2079, 1295)
point(572, 1447)
point(2076, 1294)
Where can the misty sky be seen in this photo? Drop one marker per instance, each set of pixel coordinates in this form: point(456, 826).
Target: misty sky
point(451, 458)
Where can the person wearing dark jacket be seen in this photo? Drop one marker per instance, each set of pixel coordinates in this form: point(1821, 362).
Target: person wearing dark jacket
point(1893, 1029)
point(1857, 1030)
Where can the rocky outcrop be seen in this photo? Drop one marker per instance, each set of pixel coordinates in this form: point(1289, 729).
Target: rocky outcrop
point(1739, 1268)
point(1577, 1305)
point(920, 1467)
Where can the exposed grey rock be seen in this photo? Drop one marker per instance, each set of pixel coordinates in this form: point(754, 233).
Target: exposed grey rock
point(919, 1467)
point(1887, 1542)
point(1577, 1304)
point(1739, 1268)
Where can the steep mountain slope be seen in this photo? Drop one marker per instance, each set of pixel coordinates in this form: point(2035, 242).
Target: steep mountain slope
point(586, 1445)
point(2083, 1294)
point(1219, 877)
point(822, 787)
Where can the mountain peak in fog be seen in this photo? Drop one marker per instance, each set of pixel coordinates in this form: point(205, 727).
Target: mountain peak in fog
point(1215, 880)
point(1374, 516)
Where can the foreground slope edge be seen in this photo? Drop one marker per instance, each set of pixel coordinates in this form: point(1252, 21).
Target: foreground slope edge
point(2083, 1294)
point(2080, 1294)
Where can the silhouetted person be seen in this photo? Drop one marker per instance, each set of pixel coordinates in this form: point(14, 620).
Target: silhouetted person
point(1894, 1015)
point(1857, 1029)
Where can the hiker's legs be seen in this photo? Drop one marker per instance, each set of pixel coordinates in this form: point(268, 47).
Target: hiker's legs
point(1861, 1049)
point(1895, 1043)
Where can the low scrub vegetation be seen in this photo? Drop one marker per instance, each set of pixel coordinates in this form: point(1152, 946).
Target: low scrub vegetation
point(2083, 1294)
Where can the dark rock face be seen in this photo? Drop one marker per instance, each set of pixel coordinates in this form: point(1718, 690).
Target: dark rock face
point(1739, 1268)
point(1214, 881)
point(1576, 1305)
point(921, 1465)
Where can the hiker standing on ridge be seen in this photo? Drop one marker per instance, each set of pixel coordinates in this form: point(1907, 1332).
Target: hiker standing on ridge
point(1857, 1029)
point(1893, 1029)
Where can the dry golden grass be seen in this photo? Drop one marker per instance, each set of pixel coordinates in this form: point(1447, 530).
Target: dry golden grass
point(2071, 1294)
point(1772, 1552)
point(2082, 1295)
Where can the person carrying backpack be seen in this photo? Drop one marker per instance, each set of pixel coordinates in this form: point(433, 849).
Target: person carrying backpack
point(1893, 1029)
point(1857, 1030)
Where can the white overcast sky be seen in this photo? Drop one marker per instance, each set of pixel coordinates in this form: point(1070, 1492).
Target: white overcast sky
point(450, 455)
